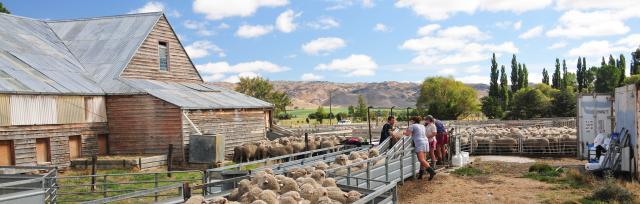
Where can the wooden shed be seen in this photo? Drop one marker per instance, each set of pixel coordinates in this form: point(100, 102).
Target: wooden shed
point(117, 85)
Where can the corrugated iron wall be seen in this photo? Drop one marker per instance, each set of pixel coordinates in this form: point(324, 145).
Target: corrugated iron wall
point(48, 109)
point(96, 110)
point(70, 109)
point(5, 110)
point(33, 109)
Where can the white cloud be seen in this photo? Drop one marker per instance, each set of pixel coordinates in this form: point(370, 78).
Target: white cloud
point(223, 26)
point(253, 31)
point(455, 45)
point(285, 23)
point(151, 6)
point(174, 13)
point(531, 33)
point(557, 45)
point(324, 23)
point(517, 25)
point(473, 79)
point(253, 66)
point(343, 4)
point(381, 28)
point(323, 45)
point(213, 77)
point(632, 40)
point(447, 71)
point(219, 9)
point(597, 48)
point(441, 10)
point(236, 78)
point(203, 48)
point(472, 69)
point(594, 4)
point(201, 27)
point(354, 65)
point(428, 29)
point(578, 24)
point(310, 77)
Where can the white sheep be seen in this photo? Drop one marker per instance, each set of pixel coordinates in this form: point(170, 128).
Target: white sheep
point(269, 197)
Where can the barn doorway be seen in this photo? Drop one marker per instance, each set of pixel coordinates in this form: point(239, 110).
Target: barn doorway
point(103, 144)
point(75, 147)
point(6, 153)
point(43, 154)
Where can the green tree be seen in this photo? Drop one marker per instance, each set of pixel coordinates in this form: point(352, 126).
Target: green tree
point(589, 77)
point(622, 65)
point(635, 62)
point(545, 76)
point(3, 9)
point(351, 111)
point(362, 108)
point(579, 75)
point(607, 79)
point(525, 76)
point(529, 103)
point(612, 61)
point(504, 88)
point(556, 79)
point(491, 107)
point(494, 90)
point(446, 98)
point(603, 62)
point(564, 83)
point(564, 103)
point(320, 114)
point(514, 74)
point(262, 89)
point(520, 77)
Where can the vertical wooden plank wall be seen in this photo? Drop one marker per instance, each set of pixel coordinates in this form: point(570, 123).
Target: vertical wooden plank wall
point(145, 64)
point(236, 125)
point(143, 124)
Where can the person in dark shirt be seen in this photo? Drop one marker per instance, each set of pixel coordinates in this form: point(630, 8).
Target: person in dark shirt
point(441, 136)
point(387, 128)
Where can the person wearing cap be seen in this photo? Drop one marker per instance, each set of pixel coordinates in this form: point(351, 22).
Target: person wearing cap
point(417, 133)
point(441, 136)
point(431, 132)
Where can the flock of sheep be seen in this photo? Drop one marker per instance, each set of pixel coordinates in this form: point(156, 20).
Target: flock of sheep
point(282, 146)
point(505, 140)
point(299, 185)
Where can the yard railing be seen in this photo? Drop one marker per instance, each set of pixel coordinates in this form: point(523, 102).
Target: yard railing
point(15, 187)
point(106, 187)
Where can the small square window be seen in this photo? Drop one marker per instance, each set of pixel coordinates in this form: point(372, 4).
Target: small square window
point(163, 55)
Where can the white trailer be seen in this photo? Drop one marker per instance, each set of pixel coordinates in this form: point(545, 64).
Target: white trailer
point(626, 110)
point(595, 115)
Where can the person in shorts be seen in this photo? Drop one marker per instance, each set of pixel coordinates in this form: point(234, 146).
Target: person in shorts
point(417, 133)
point(431, 132)
point(441, 136)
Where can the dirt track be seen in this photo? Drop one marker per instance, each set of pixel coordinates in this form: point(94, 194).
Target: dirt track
point(503, 184)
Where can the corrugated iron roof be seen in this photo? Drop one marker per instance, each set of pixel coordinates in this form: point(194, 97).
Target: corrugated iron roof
point(34, 60)
point(196, 96)
point(86, 57)
point(105, 45)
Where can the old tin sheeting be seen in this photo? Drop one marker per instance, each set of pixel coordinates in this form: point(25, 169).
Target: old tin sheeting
point(105, 45)
point(34, 60)
point(196, 96)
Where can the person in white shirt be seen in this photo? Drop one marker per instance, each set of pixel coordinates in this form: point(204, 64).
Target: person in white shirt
point(431, 132)
point(598, 142)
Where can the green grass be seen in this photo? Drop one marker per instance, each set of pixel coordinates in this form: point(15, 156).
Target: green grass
point(543, 172)
point(81, 189)
point(468, 171)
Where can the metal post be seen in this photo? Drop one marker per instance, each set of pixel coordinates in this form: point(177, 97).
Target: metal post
point(391, 114)
point(369, 122)
point(306, 141)
point(186, 191)
point(169, 160)
point(386, 168)
point(369, 174)
point(408, 117)
point(330, 112)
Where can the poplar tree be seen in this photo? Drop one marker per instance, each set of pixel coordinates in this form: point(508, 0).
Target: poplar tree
point(622, 65)
point(635, 62)
point(504, 88)
point(545, 76)
point(556, 78)
point(514, 74)
point(525, 76)
point(579, 75)
point(494, 90)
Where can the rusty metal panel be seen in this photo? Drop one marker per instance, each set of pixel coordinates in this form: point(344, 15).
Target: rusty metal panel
point(33, 110)
point(95, 109)
point(70, 109)
point(5, 110)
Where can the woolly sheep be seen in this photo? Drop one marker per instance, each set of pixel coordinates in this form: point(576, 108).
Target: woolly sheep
point(197, 199)
point(308, 192)
point(259, 202)
point(325, 200)
point(287, 200)
point(218, 200)
point(318, 176)
point(294, 194)
point(270, 183)
point(342, 160)
point(288, 184)
point(269, 197)
point(345, 198)
point(251, 196)
point(329, 182)
point(296, 172)
point(321, 165)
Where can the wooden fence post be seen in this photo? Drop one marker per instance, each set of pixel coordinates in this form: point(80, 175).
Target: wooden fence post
point(186, 191)
point(169, 160)
point(94, 159)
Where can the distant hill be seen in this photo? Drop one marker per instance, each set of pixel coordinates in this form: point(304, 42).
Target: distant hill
point(311, 94)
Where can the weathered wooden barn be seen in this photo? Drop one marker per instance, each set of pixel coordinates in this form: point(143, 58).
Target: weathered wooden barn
point(109, 85)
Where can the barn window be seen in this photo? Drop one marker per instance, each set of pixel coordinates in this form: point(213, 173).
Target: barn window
point(163, 55)
point(43, 154)
point(6, 153)
point(75, 146)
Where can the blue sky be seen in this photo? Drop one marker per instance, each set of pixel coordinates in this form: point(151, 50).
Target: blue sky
point(376, 40)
